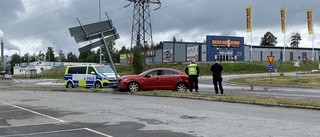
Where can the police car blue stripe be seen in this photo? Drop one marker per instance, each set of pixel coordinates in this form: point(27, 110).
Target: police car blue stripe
point(76, 83)
point(90, 83)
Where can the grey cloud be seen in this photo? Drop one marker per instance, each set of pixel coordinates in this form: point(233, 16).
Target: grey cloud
point(50, 20)
point(7, 45)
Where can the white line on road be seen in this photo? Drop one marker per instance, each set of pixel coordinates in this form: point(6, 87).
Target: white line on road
point(34, 112)
point(97, 132)
point(38, 124)
point(40, 133)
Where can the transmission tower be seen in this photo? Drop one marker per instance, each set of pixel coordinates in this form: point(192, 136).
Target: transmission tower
point(141, 24)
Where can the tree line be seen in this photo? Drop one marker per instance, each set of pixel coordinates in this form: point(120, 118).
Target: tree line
point(93, 56)
point(88, 56)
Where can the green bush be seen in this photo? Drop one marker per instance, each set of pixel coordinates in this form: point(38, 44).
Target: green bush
point(137, 62)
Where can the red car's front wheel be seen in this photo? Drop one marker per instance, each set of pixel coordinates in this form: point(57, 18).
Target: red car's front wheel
point(133, 86)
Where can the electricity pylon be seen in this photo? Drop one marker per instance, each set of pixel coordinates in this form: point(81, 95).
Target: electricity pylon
point(141, 24)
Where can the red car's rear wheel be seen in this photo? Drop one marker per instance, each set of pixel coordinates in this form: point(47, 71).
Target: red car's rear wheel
point(181, 87)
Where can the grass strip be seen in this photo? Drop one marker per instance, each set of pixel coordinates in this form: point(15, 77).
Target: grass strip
point(286, 81)
point(268, 101)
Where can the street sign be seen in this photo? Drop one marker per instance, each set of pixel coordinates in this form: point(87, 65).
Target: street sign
point(270, 59)
point(98, 43)
point(91, 29)
point(8, 64)
point(270, 67)
point(94, 31)
point(280, 62)
point(296, 63)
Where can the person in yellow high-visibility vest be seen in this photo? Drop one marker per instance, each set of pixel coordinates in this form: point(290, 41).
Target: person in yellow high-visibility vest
point(193, 72)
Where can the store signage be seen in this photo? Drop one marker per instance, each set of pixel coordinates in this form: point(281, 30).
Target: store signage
point(226, 43)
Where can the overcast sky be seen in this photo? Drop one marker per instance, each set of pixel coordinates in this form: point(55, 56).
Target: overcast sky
point(34, 25)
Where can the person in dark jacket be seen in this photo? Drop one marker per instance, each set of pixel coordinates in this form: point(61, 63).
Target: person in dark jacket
point(193, 72)
point(216, 70)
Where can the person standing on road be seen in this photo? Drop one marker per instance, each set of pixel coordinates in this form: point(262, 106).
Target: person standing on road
point(216, 70)
point(193, 72)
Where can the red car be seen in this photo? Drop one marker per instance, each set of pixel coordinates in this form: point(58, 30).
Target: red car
point(156, 78)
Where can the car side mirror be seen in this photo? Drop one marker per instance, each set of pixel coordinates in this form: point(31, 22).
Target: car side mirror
point(148, 75)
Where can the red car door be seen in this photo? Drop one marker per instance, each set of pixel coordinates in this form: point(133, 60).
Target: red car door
point(169, 79)
point(152, 80)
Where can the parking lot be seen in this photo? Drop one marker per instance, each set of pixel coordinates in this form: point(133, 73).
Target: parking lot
point(26, 122)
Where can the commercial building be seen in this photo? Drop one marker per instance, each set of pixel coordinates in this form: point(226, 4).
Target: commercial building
point(223, 48)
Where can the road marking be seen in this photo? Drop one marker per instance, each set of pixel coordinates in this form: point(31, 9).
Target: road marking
point(59, 131)
point(34, 112)
point(97, 132)
point(49, 132)
point(38, 124)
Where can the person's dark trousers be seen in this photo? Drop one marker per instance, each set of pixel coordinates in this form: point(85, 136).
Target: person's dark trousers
point(216, 81)
point(193, 79)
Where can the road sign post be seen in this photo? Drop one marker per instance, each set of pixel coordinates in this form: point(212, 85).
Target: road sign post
point(297, 65)
point(270, 66)
point(281, 64)
point(304, 61)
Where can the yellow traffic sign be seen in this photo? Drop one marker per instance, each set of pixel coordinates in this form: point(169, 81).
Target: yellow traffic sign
point(270, 59)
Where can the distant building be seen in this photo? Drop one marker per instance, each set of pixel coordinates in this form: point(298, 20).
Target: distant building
point(39, 66)
point(223, 48)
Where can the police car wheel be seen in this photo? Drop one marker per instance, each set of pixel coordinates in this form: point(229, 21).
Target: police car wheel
point(97, 85)
point(69, 85)
point(181, 87)
point(133, 86)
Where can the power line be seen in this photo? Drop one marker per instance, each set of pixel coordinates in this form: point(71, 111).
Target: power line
point(37, 25)
point(177, 4)
point(43, 14)
point(18, 10)
point(44, 23)
point(55, 28)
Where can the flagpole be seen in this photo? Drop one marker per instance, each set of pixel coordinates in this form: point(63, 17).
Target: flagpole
point(312, 41)
point(312, 44)
point(251, 47)
point(283, 29)
point(251, 58)
point(249, 28)
point(284, 46)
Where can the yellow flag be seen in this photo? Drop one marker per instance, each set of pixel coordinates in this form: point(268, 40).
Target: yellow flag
point(249, 23)
point(283, 19)
point(309, 19)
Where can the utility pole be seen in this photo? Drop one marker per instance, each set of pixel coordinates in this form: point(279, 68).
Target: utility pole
point(100, 21)
point(2, 54)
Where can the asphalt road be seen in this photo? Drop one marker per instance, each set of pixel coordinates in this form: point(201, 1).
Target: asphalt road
point(76, 114)
point(206, 86)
